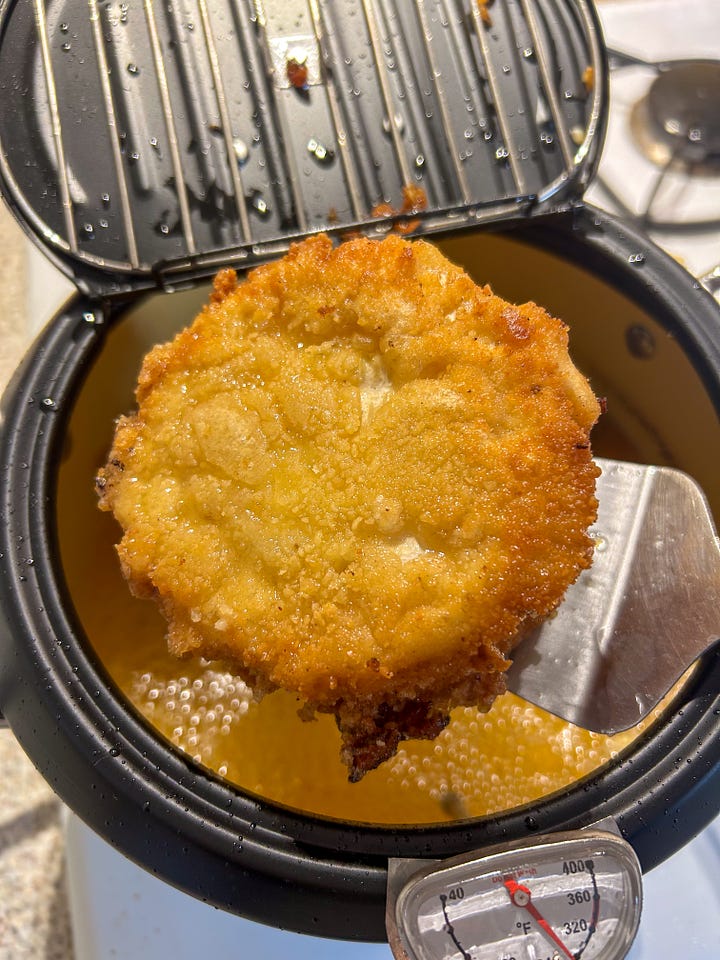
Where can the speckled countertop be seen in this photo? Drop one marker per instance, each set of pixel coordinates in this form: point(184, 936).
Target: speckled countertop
point(34, 921)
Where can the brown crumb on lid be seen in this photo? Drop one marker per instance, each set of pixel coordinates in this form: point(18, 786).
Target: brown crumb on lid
point(414, 199)
point(482, 6)
point(297, 74)
point(382, 210)
point(406, 226)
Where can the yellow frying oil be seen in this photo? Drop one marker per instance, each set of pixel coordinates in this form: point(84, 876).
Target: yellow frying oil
point(480, 764)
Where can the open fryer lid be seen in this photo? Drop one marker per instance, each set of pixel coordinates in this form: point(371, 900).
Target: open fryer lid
point(147, 144)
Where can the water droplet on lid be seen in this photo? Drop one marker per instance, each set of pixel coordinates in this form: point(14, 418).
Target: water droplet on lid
point(528, 52)
point(241, 150)
point(89, 316)
point(419, 160)
point(506, 68)
point(103, 223)
point(164, 228)
point(105, 198)
point(468, 134)
point(66, 46)
point(501, 153)
point(133, 68)
point(636, 258)
point(64, 28)
point(399, 123)
point(48, 403)
point(259, 204)
point(318, 150)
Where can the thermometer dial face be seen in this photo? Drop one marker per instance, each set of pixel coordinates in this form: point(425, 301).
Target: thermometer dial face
point(565, 897)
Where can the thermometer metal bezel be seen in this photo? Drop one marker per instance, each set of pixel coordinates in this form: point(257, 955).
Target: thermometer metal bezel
point(404, 878)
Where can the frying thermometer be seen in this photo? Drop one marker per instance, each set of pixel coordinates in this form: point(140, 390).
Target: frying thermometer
point(561, 897)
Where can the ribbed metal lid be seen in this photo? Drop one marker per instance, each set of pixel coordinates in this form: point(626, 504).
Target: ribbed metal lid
point(147, 143)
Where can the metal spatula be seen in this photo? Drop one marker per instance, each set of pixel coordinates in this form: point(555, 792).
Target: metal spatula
point(640, 616)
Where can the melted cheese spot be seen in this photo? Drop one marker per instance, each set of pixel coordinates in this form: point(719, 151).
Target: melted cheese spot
point(408, 549)
point(375, 388)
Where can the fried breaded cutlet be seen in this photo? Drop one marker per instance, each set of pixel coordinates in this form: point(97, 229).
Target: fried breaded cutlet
point(359, 477)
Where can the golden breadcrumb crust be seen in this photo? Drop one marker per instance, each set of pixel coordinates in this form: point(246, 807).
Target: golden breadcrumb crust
point(360, 477)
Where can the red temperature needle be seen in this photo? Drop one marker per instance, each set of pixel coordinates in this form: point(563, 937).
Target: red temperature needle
point(521, 897)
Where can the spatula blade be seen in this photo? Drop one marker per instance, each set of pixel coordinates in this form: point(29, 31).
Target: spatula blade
point(640, 616)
